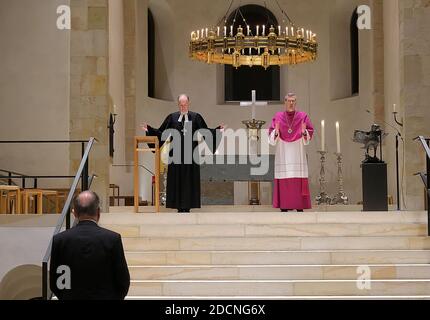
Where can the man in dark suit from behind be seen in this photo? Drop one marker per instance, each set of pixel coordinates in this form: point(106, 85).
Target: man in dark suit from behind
point(92, 257)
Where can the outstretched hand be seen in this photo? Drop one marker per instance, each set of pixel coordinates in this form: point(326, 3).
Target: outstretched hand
point(144, 127)
point(277, 129)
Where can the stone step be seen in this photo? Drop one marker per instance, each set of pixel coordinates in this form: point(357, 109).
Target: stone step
point(266, 218)
point(276, 272)
point(276, 243)
point(357, 257)
point(281, 230)
point(280, 288)
point(245, 208)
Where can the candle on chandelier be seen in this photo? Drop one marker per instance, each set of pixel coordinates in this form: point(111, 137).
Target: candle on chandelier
point(338, 136)
point(292, 31)
point(217, 32)
point(286, 31)
point(257, 30)
point(198, 34)
point(279, 30)
point(264, 30)
point(206, 32)
point(307, 35)
point(225, 31)
point(231, 31)
point(303, 32)
point(394, 108)
point(248, 29)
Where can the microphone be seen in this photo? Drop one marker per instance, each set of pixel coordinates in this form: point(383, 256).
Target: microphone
point(388, 124)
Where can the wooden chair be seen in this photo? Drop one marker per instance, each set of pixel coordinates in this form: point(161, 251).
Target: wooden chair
point(10, 201)
point(3, 202)
point(51, 195)
point(29, 198)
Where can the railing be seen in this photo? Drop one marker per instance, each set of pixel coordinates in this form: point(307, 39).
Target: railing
point(425, 142)
point(9, 175)
point(24, 177)
point(65, 215)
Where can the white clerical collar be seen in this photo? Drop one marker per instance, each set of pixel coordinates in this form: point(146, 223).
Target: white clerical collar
point(182, 115)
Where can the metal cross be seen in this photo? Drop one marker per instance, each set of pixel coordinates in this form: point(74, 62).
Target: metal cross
point(253, 103)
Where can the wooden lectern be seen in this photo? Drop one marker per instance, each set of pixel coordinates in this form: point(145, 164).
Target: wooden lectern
point(147, 140)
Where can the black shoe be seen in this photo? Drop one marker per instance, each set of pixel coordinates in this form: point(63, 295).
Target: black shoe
point(299, 210)
point(285, 210)
point(180, 210)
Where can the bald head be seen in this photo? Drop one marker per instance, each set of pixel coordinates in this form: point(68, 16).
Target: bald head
point(86, 204)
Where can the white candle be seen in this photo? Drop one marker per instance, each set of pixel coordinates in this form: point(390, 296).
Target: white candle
point(206, 32)
point(192, 35)
point(217, 32)
point(231, 31)
point(279, 30)
point(292, 31)
point(394, 108)
point(203, 33)
point(338, 136)
point(225, 31)
point(254, 98)
point(286, 31)
point(303, 33)
point(257, 30)
point(307, 34)
point(198, 34)
point(322, 135)
point(264, 30)
point(249, 30)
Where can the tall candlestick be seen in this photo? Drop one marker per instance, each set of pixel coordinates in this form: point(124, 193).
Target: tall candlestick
point(322, 135)
point(338, 136)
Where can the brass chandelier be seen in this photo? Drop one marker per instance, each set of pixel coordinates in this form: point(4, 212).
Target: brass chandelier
point(284, 45)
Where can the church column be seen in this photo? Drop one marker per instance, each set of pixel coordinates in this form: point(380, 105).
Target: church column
point(415, 92)
point(130, 76)
point(89, 106)
point(392, 90)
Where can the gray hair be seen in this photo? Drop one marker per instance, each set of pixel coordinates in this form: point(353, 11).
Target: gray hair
point(291, 95)
point(183, 95)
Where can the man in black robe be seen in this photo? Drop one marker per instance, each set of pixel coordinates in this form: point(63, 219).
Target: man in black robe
point(183, 174)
